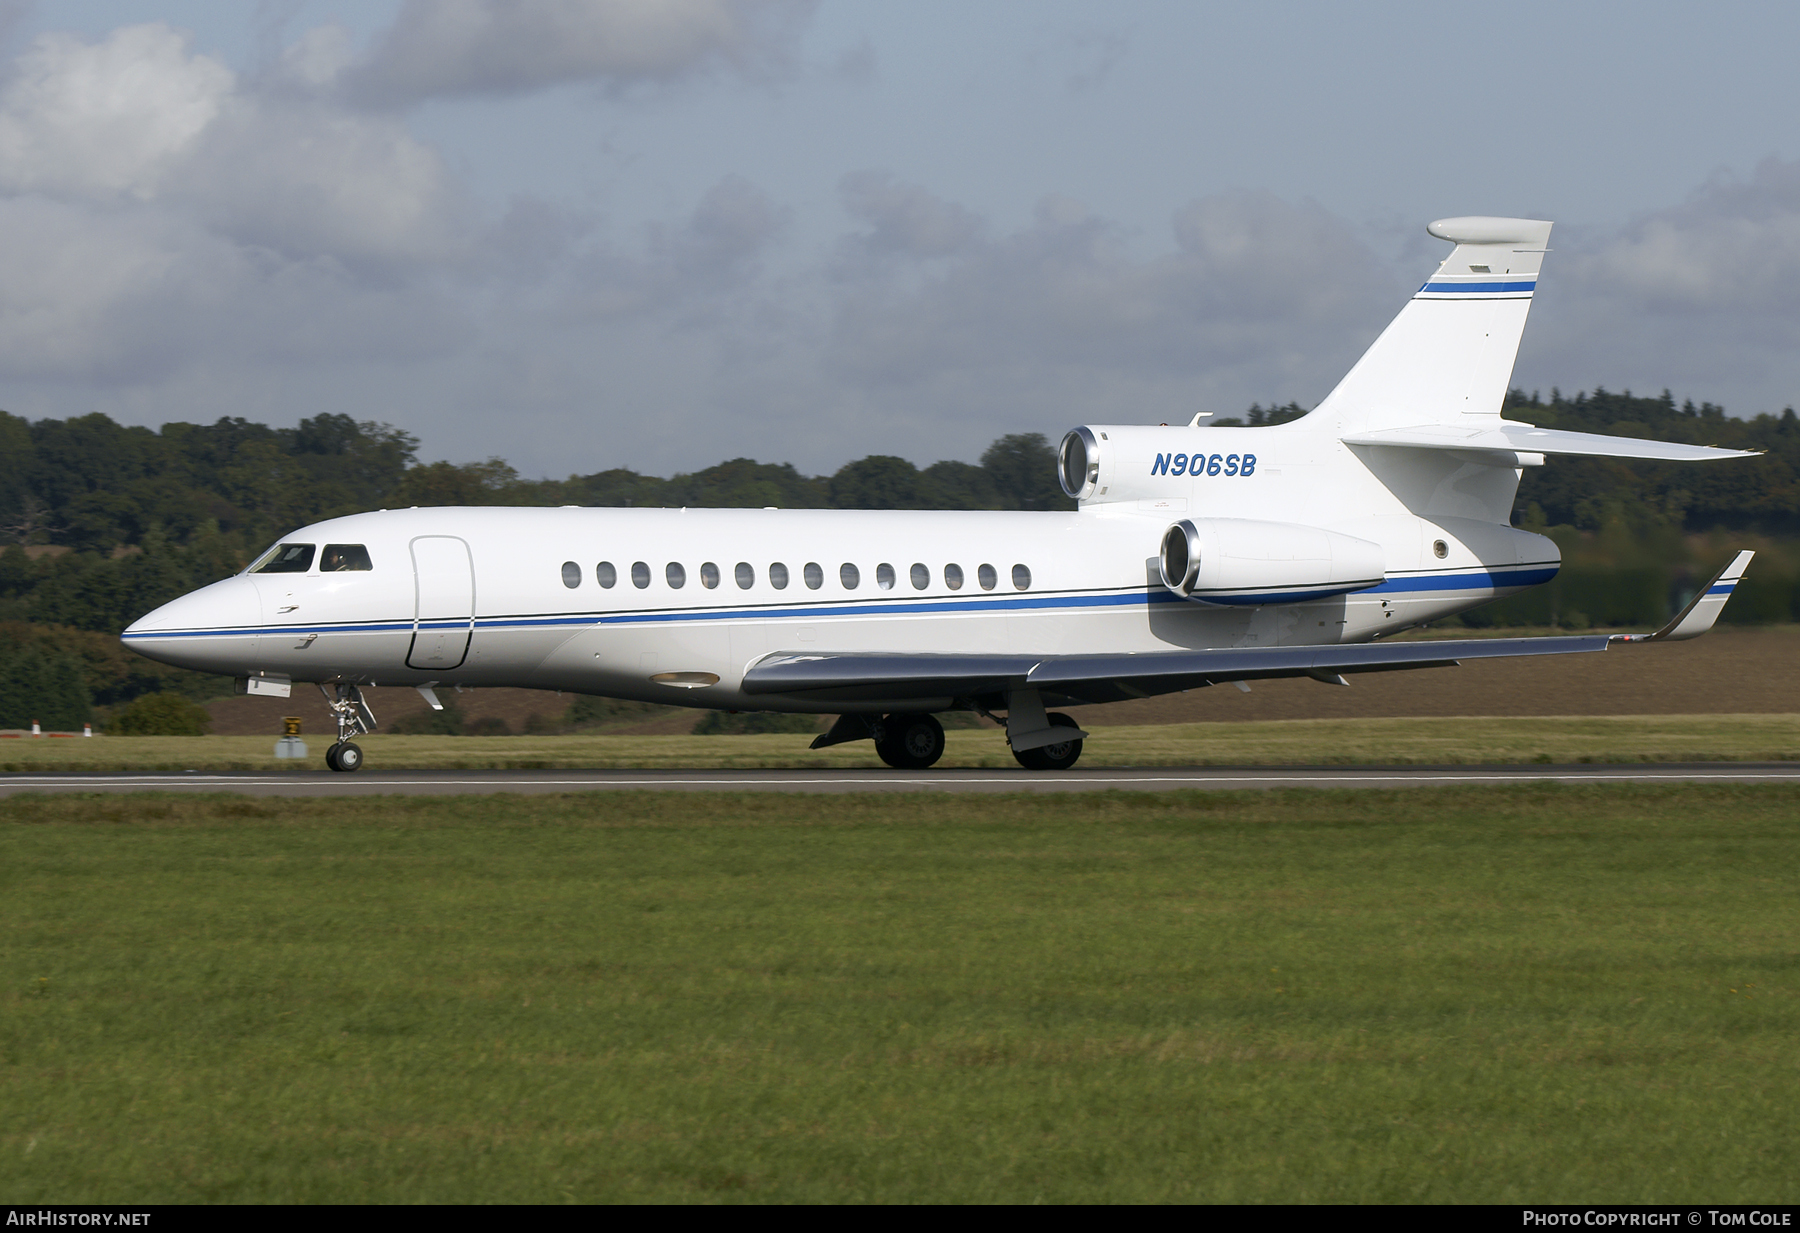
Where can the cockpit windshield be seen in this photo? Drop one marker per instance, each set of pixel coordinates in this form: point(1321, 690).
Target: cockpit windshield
point(285, 559)
point(339, 558)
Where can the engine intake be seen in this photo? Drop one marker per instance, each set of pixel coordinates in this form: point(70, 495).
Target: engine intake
point(1078, 463)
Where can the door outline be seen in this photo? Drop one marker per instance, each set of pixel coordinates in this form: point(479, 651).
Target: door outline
point(444, 625)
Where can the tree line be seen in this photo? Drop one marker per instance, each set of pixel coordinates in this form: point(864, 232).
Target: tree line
point(103, 522)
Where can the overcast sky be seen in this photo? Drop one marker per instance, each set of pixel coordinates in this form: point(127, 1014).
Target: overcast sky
point(663, 233)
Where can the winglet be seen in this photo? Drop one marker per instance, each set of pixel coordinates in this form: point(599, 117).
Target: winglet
point(1703, 609)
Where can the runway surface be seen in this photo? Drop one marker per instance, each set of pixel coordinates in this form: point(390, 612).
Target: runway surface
point(1098, 779)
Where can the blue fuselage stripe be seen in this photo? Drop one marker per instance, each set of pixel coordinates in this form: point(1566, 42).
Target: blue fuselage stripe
point(1475, 580)
point(1481, 580)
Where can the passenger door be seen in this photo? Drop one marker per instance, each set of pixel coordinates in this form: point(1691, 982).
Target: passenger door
point(444, 602)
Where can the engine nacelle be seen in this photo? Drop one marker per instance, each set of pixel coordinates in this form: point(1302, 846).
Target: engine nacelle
point(1112, 463)
point(1243, 562)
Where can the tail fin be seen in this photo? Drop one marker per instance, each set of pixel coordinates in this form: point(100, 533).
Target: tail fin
point(1450, 352)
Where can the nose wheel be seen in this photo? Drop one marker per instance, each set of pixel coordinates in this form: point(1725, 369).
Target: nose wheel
point(353, 717)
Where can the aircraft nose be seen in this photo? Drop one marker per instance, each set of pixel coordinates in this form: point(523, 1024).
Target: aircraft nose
point(213, 629)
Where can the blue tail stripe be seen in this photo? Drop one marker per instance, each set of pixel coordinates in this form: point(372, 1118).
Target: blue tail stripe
point(1476, 288)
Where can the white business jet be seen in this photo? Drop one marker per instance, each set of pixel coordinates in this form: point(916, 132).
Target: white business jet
point(1198, 556)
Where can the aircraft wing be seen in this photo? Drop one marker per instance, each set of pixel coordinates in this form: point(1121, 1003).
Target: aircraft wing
point(1075, 679)
point(1069, 680)
point(1515, 437)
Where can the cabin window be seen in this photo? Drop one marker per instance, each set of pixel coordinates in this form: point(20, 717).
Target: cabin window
point(571, 575)
point(709, 574)
point(987, 577)
point(345, 558)
point(285, 559)
point(676, 575)
point(605, 574)
point(745, 574)
point(778, 576)
point(640, 575)
point(849, 576)
point(1021, 578)
point(921, 577)
point(884, 576)
point(815, 577)
point(953, 577)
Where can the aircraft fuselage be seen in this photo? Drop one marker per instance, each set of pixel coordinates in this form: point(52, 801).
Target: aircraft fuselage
point(482, 596)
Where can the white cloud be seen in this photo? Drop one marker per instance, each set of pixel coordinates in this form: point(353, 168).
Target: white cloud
point(1734, 245)
point(95, 298)
point(1093, 55)
point(1702, 299)
point(108, 118)
point(304, 177)
point(316, 59)
point(1254, 284)
point(728, 230)
point(74, 278)
point(181, 242)
point(158, 212)
point(904, 220)
point(681, 274)
point(137, 116)
point(441, 48)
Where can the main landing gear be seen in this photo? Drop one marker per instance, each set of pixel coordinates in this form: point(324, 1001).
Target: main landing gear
point(910, 742)
point(353, 718)
point(1057, 756)
point(906, 742)
point(913, 742)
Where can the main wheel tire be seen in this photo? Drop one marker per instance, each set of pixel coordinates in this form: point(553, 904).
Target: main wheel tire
point(1058, 757)
point(331, 758)
point(349, 758)
point(910, 742)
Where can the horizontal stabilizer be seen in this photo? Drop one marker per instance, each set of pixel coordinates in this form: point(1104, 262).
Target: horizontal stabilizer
point(1511, 436)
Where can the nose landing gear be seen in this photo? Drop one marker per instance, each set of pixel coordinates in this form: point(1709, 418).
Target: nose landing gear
point(353, 718)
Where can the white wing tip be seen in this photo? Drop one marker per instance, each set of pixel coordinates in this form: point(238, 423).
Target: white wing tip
point(1703, 610)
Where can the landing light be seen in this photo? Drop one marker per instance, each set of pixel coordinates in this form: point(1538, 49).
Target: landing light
point(686, 680)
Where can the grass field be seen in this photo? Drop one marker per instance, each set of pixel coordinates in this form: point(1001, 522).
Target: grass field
point(1531, 993)
point(1432, 741)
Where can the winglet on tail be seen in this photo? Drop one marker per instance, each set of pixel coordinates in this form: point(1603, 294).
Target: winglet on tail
point(1702, 610)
